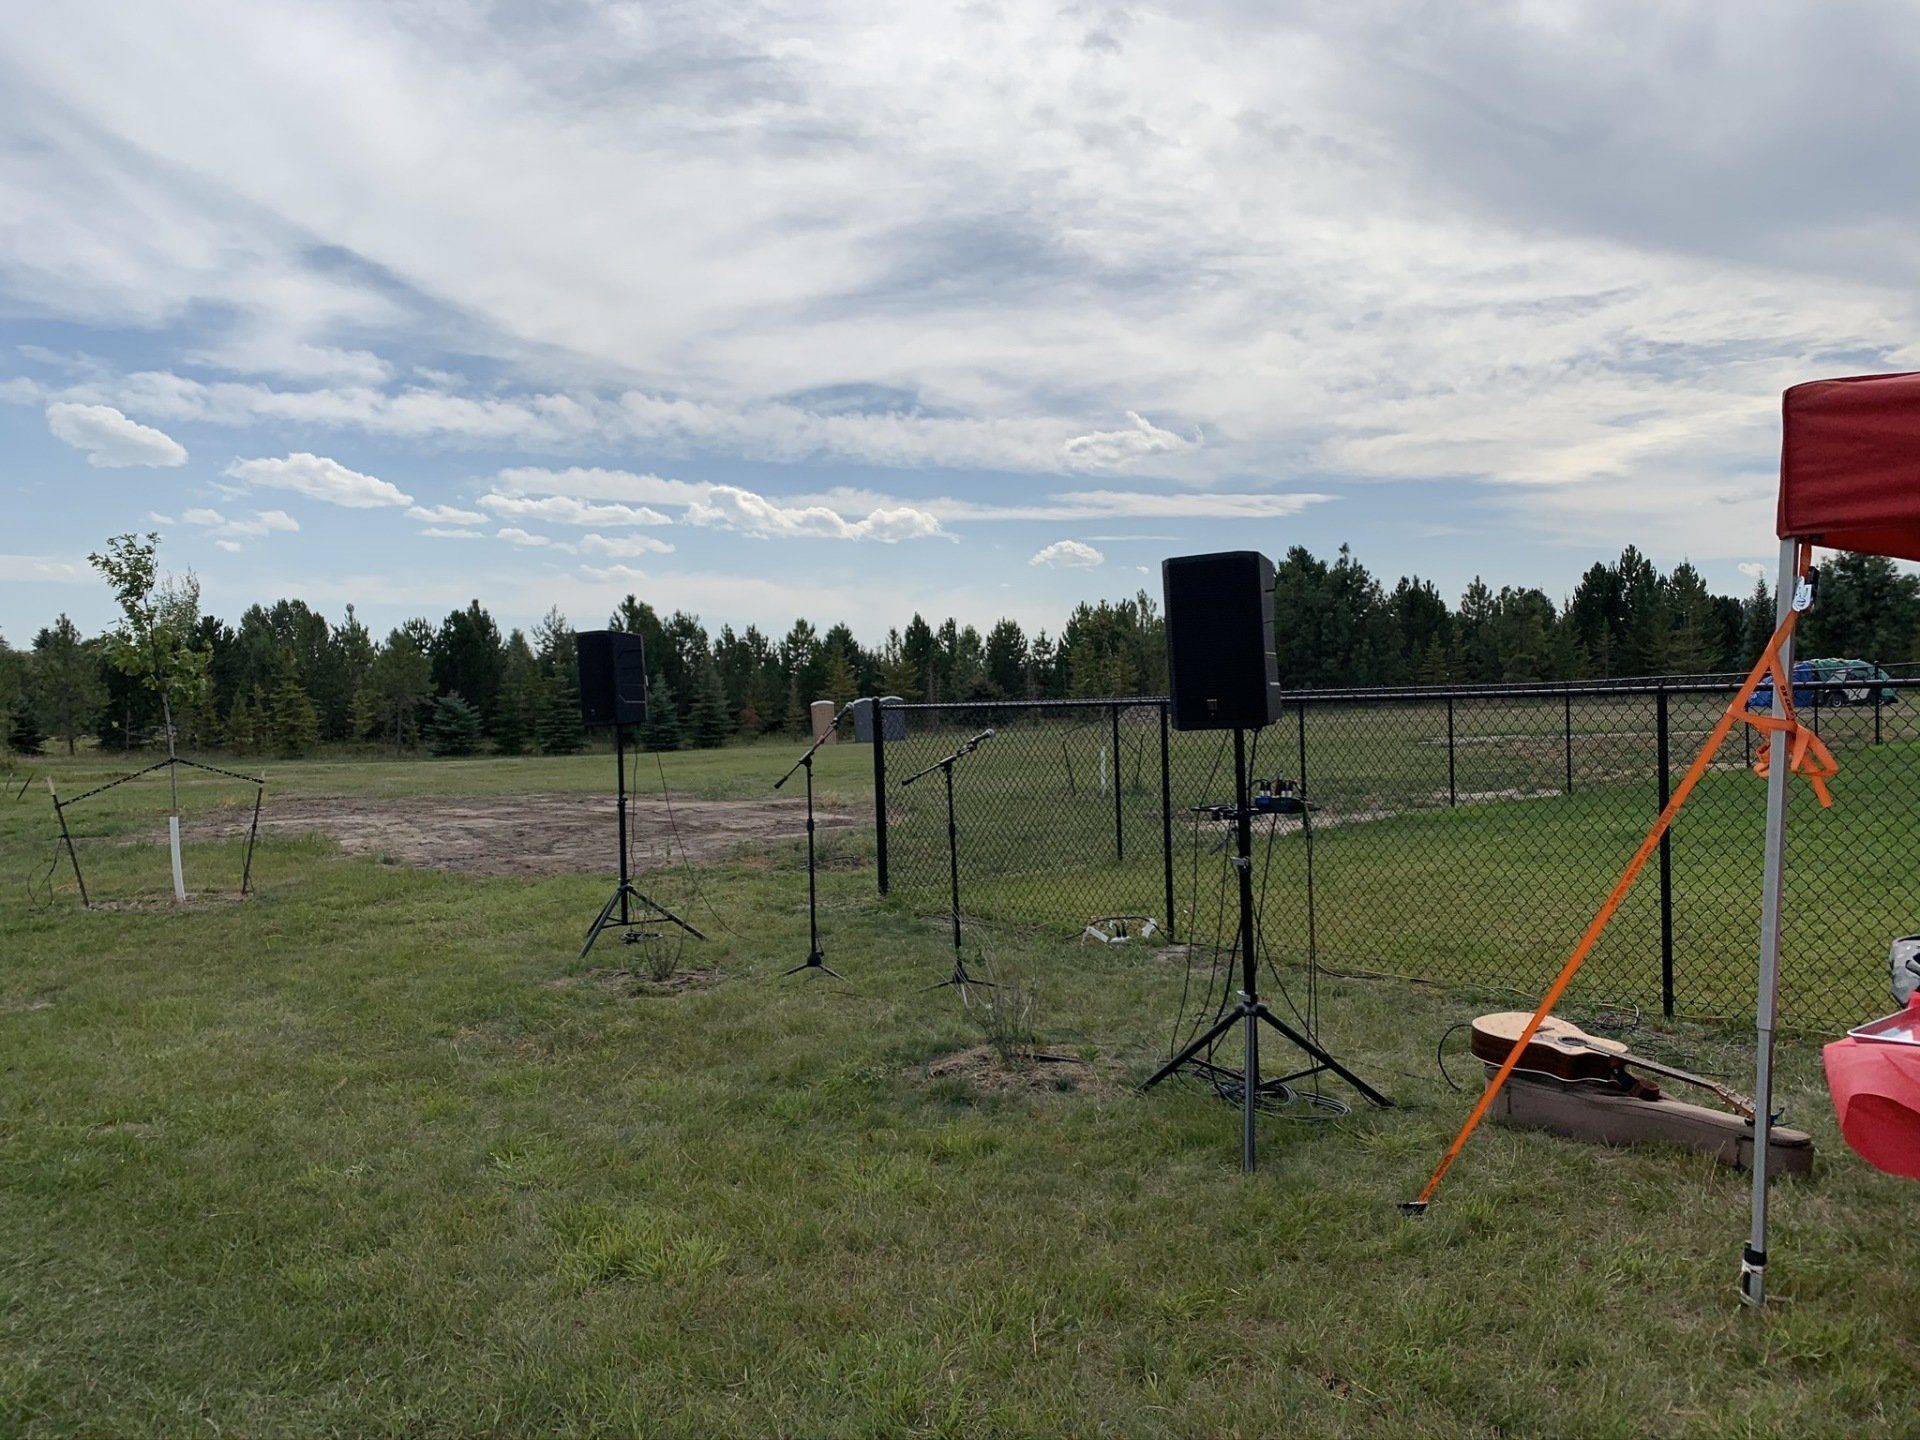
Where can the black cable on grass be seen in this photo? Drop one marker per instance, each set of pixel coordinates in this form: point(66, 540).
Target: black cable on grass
point(1440, 1053)
point(686, 860)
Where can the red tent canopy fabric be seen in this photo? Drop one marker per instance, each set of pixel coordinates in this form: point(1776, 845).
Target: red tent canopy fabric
point(1850, 464)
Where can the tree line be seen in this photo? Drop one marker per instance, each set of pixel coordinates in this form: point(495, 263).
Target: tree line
point(284, 679)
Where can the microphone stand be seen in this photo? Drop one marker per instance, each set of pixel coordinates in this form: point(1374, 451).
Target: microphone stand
point(959, 977)
point(815, 960)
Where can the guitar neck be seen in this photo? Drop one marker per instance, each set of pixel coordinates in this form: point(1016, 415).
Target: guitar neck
point(1732, 1097)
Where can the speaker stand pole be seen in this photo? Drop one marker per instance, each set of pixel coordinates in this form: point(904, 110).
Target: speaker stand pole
point(1249, 1011)
point(625, 891)
point(816, 959)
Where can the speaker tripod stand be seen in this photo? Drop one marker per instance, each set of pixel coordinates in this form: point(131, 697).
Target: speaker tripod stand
point(816, 958)
point(627, 897)
point(959, 978)
point(1249, 1012)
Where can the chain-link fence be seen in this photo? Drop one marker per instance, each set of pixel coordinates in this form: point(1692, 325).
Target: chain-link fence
point(1458, 835)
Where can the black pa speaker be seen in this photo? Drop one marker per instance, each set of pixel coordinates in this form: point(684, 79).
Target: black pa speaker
point(613, 677)
point(1221, 667)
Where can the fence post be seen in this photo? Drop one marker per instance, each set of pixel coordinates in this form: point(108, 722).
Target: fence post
point(1453, 790)
point(1876, 714)
point(1119, 829)
point(880, 790)
point(1666, 858)
point(1166, 816)
point(1566, 701)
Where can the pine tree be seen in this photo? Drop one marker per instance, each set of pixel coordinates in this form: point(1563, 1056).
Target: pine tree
point(294, 725)
point(842, 684)
point(749, 719)
point(363, 713)
point(454, 728)
point(521, 696)
point(709, 716)
point(662, 730)
point(796, 710)
point(242, 734)
point(557, 730)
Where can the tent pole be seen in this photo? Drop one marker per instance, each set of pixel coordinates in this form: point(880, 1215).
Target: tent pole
point(1753, 1262)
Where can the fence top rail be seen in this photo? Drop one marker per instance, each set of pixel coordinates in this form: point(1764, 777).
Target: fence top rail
point(1431, 694)
point(1580, 690)
point(1101, 703)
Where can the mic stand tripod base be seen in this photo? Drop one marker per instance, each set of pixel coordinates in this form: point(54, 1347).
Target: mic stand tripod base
point(622, 893)
point(959, 979)
point(814, 961)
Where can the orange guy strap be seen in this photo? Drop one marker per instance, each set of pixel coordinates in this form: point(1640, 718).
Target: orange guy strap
point(1803, 744)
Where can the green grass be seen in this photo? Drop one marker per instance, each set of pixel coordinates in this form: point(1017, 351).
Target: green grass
point(364, 1157)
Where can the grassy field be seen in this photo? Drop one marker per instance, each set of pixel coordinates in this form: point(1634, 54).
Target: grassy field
point(373, 1154)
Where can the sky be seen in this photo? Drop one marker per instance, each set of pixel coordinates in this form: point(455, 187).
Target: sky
point(851, 310)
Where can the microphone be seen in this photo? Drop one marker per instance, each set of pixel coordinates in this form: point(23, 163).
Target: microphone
point(975, 741)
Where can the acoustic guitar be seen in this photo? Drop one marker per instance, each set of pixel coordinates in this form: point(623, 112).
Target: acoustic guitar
point(1564, 1051)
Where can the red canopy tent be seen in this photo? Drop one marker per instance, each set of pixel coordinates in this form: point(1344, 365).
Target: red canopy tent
point(1849, 480)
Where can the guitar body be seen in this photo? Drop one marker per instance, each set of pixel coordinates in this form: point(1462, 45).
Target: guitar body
point(1558, 1048)
point(1564, 1051)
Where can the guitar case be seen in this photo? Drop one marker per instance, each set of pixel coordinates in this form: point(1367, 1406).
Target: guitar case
point(1601, 1115)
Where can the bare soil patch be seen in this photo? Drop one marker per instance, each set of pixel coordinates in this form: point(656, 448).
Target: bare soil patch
point(616, 980)
point(536, 834)
point(1047, 1073)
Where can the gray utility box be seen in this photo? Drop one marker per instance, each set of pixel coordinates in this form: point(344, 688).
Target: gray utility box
point(894, 720)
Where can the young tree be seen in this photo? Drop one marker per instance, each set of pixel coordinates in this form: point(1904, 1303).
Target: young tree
point(291, 718)
point(453, 728)
point(13, 688)
point(662, 730)
point(558, 729)
point(67, 689)
point(402, 679)
point(154, 645)
point(709, 717)
point(242, 729)
point(467, 658)
point(520, 698)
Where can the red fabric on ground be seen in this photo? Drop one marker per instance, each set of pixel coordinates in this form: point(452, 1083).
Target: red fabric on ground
point(1876, 1096)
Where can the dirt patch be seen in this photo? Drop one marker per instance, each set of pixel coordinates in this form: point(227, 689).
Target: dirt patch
point(614, 980)
point(196, 900)
point(1048, 1073)
point(532, 834)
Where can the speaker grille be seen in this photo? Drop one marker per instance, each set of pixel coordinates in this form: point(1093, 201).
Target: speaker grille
point(1222, 672)
point(613, 677)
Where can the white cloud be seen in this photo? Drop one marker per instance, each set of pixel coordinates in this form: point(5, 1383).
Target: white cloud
point(51, 568)
point(110, 439)
point(440, 532)
point(445, 515)
point(564, 510)
point(518, 536)
point(1069, 555)
point(320, 478)
point(628, 545)
point(727, 507)
point(228, 533)
point(1754, 570)
point(618, 574)
point(1104, 449)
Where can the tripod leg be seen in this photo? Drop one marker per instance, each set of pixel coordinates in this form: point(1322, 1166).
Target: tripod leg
point(1220, 1027)
point(1367, 1092)
point(600, 921)
point(1250, 1087)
